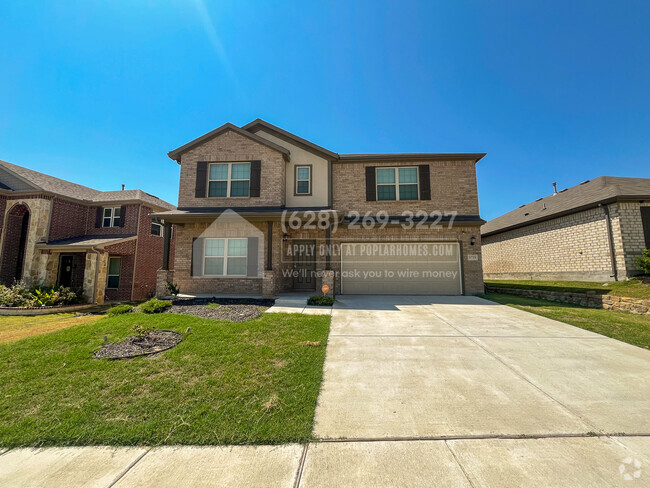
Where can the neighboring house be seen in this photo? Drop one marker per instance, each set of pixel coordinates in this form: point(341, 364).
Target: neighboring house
point(54, 232)
point(309, 217)
point(590, 232)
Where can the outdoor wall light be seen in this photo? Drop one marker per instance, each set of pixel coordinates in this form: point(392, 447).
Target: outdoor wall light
point(285, 237)
point(472, 241)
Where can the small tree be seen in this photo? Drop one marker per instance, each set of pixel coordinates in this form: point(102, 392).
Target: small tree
point(644, 261)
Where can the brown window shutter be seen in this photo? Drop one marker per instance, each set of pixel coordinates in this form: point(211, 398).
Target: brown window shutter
point(122, 215)
point(197, 257)
point(256, 176)
point(645, 220)
point(99, 216)
point(425, 182)
point(201, 179)
point(251, 261)
point(371, 184)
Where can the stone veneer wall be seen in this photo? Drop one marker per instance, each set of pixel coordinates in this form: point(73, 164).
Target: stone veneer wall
point(589, 299)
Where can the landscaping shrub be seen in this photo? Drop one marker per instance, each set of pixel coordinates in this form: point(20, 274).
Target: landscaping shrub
point(173, 288)
point(321, 300)
point(119, 310)
point(155, 306)
point(644, 261)
point(18, 295)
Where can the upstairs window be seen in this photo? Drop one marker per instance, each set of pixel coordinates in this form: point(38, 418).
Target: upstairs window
point(112, 216)
point(229, 180)
point(397, 183)
point(303, 180)
point(156, 229)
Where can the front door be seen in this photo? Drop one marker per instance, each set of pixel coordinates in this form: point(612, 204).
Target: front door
point(304, 264)
point(65, 271)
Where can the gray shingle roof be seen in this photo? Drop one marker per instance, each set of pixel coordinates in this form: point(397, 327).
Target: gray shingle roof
point(580, 197)
point(68, 189)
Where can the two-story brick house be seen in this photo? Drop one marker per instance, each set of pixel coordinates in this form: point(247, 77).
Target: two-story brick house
point(54, 232)
point(360, 223)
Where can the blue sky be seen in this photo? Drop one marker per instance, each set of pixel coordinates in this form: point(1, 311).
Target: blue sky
point(98, 92)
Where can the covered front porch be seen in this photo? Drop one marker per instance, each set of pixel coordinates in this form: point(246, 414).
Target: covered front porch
point(101, 267)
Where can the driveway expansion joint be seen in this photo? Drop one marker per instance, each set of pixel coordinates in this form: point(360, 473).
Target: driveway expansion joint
point(301, 466)
point(129, 467)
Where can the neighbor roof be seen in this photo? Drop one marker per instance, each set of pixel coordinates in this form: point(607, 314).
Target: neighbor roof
point(588, 194)
point(51, 184)
point(86, 242)
point(176, 153)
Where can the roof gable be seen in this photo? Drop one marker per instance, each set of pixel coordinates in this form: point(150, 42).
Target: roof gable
point(259, 124)
point(178, 152)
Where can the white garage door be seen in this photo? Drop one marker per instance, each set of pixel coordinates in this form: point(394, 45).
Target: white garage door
point(401, 268)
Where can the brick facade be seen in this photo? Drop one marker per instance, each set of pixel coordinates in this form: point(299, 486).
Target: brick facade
point(453, 188)
point(230, 146)
point(571, 247)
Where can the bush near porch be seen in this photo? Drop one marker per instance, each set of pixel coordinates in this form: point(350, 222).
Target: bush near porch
point(20, 296)
point(253, 382)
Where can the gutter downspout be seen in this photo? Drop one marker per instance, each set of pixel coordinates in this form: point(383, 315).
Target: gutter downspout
point(610, 240)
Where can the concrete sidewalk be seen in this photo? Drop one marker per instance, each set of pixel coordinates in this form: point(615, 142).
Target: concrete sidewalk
point(547, 462)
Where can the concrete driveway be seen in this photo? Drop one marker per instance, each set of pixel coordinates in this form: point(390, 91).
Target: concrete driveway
point(463, 366)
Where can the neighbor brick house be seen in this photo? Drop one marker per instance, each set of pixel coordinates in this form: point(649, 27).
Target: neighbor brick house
point(54, 232)
point(263, 211)
point(594, 231)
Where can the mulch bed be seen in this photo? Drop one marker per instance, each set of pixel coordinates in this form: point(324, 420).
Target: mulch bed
point(233, 309)
point(156, 341)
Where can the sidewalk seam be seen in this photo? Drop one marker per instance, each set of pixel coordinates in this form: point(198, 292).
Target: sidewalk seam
point(478, 437)
point(462, 468)
point(5, 452)
point(301, 466)
point(139, 458)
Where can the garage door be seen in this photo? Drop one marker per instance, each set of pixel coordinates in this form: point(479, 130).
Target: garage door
point(401, 268)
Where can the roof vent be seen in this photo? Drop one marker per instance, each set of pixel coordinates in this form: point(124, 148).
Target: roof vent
point(526, 214)
point(586, 181)
point(555, 188)
point(123, 185)
point(520, 206)
point(538, 199)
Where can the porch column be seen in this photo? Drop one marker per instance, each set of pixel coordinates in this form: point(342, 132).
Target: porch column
point(167, 231)
point(269, 245)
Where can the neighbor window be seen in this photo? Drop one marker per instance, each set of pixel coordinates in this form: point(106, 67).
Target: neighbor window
point(303, 180)
point(229, 180)
point(112, 216)
point(225, 257)
point(397, 184)
point(113, 279)
point(156, 229)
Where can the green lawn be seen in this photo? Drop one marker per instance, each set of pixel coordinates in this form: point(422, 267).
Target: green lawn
point(227, 383)
point(632, 288)
point(624, 326)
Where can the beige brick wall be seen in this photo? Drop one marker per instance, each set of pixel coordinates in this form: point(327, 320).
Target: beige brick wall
point(573, 247)
point(632, 236)
point(230, 146)
point(453, 188)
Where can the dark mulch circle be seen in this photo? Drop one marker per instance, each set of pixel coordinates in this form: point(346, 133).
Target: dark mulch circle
point(233, 309)
point(156, 341)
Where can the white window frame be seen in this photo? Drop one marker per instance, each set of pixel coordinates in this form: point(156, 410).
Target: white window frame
point(159, 226)
point(230, 179)
point(108, 270)
point(112, 216)
point(397, 183)
point(225, 256)
point(308, 180)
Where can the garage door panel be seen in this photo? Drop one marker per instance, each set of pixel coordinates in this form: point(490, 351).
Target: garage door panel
point(414, 268)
